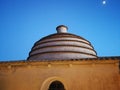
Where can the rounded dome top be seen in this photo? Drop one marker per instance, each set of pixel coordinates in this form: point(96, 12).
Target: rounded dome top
point(62, 29)
point(62, 46)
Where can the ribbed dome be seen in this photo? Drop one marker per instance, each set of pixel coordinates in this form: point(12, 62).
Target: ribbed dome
point(62, 45)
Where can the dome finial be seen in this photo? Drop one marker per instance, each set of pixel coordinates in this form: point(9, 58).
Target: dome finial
point(61, 29)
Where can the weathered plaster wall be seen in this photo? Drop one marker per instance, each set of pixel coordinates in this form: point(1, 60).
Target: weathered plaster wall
point(75, 75)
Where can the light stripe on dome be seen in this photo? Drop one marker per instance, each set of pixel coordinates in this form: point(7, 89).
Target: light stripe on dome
point(61, 55)
point(63, 42)
point(63, 48)
point(62, 38)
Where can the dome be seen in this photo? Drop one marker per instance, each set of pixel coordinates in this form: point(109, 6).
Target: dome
point(62, 46)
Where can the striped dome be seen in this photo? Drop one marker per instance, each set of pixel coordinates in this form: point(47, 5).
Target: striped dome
point(62, 46)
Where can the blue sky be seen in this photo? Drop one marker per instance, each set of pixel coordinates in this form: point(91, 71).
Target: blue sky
point(23, 22)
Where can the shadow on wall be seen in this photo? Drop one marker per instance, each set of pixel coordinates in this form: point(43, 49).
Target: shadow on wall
point(2, 84)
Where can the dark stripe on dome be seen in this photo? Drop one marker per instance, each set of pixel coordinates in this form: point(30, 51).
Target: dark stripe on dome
point(61, 46)
point(61, 41)
point(64, 51)
point(62, 35)
point(61, 52)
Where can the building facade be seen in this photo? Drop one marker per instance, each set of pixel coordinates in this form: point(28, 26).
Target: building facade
point(61, 61)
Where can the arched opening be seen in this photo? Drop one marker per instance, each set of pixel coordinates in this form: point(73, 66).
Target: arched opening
point(46, 85)
point(56, 85)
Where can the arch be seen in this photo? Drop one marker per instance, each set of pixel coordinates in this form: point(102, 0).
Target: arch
point(46, 84)
point(56, 85)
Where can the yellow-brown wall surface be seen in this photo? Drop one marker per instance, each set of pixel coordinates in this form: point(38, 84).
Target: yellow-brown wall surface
point(74, 75)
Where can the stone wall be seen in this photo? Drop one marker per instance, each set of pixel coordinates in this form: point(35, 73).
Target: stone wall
point(75, 75)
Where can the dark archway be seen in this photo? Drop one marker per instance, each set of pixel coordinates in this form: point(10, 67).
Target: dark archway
point(56, 85)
